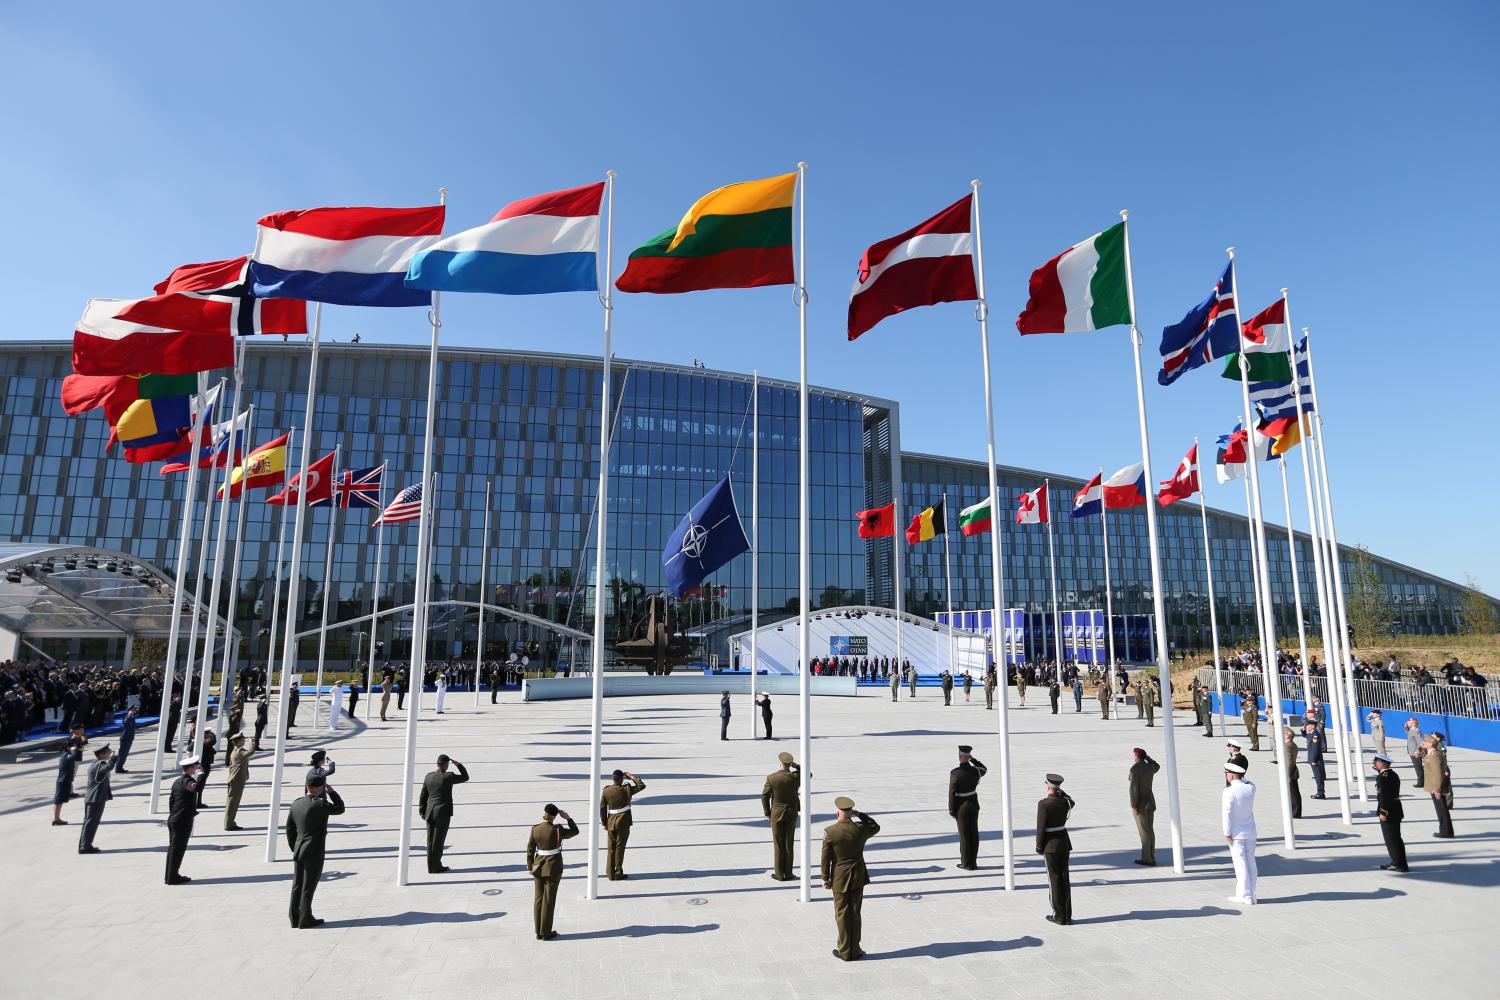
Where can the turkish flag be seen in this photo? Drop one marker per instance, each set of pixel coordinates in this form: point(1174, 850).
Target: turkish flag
point(878, 522)
point(319, 484)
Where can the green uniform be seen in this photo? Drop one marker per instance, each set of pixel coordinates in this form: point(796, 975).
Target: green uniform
point(307, 836)
point(1251, 714)
point(911, 680)
point(1104, 698)
point(780, 800)
point(234, 789)
point(544, 861)
point(844, 871)
point(614, 816)
point(1143, 805)
point(963, 806)
point(895, 684)
point(1208, 712)
point(1148, 696)
point(1054, 845)
point(989, 691)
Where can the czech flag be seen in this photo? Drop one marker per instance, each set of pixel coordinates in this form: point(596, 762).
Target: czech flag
point(1126, 488)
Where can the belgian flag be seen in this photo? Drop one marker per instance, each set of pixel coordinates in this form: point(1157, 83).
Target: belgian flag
point(929, 524)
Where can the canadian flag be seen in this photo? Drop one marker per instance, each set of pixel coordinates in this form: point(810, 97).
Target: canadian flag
point(1033, 507)
point(1184, 482)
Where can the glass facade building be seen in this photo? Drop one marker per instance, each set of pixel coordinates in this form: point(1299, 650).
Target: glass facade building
point(530, 423)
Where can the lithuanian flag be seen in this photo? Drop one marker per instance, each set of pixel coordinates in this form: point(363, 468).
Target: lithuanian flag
point(738, 236)
point(929, 524)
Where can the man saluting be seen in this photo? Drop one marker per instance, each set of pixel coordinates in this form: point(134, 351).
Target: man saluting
point(1054, 845)
point(544, 861)
point(844, 872)
point(307, 836)
point(963, 805)
point(614, 816)
point(436, 806)
point(781, 801)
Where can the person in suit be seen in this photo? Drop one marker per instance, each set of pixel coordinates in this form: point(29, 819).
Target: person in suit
point(1238, 814)
point(307, 837)
point(1313, 738)
point(1054, 845)
point(239, 773)
point(436, 807)
point(1437, 781)
point(127, 739)
point(766, 714)
point(963, 805)
point(1143, 804)
point(67, 770)
point(844, 872)
point(781, 801)
point(615, 816)
point(1388, 808)
point(182, 810)
point(94, 797)
point(262, 717)
point(544, 861)
point(724, 714)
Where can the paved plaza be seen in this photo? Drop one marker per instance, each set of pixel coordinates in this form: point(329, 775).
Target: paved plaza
point(700, 918)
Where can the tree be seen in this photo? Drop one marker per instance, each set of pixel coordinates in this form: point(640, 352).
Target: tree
point(1477, 614)
point(1369, 609)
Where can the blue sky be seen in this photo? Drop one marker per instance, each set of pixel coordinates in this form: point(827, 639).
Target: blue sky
point(1348, 150)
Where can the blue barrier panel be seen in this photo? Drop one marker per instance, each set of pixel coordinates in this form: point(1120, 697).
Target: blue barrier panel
point(1458, 731)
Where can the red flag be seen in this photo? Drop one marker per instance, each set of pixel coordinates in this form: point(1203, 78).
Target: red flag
point(1184, 482)
point(878, 522)
point(214, 297)
point(319, 483)
point(931, 262)
point(1031, 507)
point(104, 344)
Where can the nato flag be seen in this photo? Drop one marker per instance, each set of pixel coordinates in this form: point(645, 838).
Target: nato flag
point(707, 538)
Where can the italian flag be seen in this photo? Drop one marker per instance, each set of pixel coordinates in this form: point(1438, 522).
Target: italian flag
point(975, 520)
point(1080, 290)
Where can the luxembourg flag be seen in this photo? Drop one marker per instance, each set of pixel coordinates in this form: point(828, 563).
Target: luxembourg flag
point(1126, 488)
point(344, 256)
point(549, 243)
point(1089, 501)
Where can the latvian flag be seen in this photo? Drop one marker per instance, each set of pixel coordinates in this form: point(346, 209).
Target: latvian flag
point(1184, 483)
point(1032, 508)
point(976, 520)
point(344, 256)
point(1089, 501)
point(1081, 289)
point(406, 507)
point(1125, 488)
point(929, 263)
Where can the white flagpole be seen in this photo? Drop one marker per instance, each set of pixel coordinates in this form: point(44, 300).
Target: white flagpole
point(375, 598)
point(1269, 665)
point(333, 529)
point(417, 672)
point(293, 593)
point(206, 667)
point(1057, 635)
point(484, 565)
point(1291, 548)
point(596, 679)
point(1337, 697)
point(231, 663)
point(1346, 658)
point(754, 542)
point(997, 560)
point(1260, 610)
point(948, 575)
point(1213, 614)
point(184, 550)
point(1158, 596)
point(276, 580)
point(188, 694)
point(804, 541)
point(1109, 594)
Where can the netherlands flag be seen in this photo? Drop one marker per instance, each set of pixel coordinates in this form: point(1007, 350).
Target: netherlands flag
point(1126, 488)
point(344, 256)
point(1089, 501)
point(549, 243)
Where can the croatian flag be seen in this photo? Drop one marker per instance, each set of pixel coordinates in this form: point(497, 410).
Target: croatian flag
point(344, 256)
point(549, 243)
point(1126, 488)
point(1089, 501)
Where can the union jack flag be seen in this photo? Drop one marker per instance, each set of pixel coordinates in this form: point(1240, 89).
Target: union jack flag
point(359, 487)
point(406, 507)
point(1210, 330)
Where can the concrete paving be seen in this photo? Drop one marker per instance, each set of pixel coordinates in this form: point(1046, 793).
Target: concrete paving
point(700, 918)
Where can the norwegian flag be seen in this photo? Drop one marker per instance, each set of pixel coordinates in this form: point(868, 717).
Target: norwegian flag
point(406, 507)
point(359, 487)
point(1184, 482)
point(1210, 330)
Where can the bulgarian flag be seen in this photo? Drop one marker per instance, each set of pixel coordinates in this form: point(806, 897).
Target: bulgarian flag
point(1266, 342)
point(976, 520)
point(1080, 290)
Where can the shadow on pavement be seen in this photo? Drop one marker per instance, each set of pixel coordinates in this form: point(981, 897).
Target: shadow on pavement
point(956, 949)
point(411, 917)
point(1204, 911)
point(644, 930)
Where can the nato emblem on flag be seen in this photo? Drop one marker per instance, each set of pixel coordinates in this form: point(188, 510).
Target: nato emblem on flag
point(708, 537)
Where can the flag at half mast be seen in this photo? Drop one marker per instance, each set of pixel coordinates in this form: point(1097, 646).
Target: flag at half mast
point(736, 236)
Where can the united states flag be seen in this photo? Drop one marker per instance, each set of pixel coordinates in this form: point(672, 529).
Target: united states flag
point(406, 507)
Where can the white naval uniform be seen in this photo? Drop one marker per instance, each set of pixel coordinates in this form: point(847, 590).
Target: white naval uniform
point(1239, 824)
point(442, 692)
point(335, 706)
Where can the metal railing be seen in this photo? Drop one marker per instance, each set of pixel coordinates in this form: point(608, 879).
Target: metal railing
point(1401, 696)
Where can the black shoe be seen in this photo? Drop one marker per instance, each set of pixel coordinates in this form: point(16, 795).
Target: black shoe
point(233, 826)
point(179, 880)
point(89, 850)
point(1052, 919)
point(310, 923)
point(549, 936)
point(1148, 864)
point(59, 822)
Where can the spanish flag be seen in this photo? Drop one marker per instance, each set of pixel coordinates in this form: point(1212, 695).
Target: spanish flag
point(737, 236)
point(263, 467)
point(929, 524)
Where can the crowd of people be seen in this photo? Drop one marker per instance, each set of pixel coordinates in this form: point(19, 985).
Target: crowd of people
point(43, 694)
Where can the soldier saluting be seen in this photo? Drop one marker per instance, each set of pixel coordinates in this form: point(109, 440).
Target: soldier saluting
point(544, 861)
point(614, 816)
point(963, 805)
point(307, 837)
point(844, 872)
point(1054, 845)
point(780, 799)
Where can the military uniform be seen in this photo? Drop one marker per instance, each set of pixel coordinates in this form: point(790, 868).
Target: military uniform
point(1250, 712)
point(436, 807)
point(1293, 776)
point(1148, 696)
point(844, 872)
point(1054, 845)
point(989, 690)
point(780, 800)
point(1143, 806)
point(234, 788)
point(1021, 686)
point(614, 815)
point(963, 806)
point(1388, 805)
point(307, 836)
point(911, 680)
point(182, 809)
point(95, 796)
point(544, 861)
point(947, 688)
point(1207, 712)
point(1315, 763)
point(1104, 695)
point(1054, 693)
point(895, 685)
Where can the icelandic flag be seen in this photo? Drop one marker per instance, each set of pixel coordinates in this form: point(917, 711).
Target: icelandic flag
point(344, 256)
point(1210, 330)
point(1126, 488)
point(708, 537)
point(549, 243)
point(1089, 501)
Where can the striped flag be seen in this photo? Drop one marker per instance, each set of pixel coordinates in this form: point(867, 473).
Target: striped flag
point(928, 524)
point(931, 262)
point(406, 507)
point(344, 256)
point(1209, 331)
